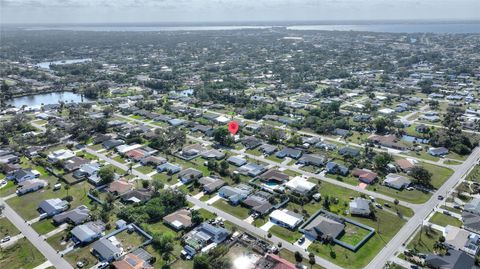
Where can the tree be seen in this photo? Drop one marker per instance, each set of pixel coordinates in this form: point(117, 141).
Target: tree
point(381, 160)
point(106, 175)
point(311, 259)
point(381, 124)
point(222, 136)
point(196, 217)
point(163, 243)
point(201, 261)
point(298, 257)
point(422, 176)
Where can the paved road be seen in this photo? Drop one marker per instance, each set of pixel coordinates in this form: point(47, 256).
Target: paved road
point(35, 239)
point(422, 212)
point(260, 233)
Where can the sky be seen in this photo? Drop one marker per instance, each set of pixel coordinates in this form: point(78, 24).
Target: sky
point(131, 11)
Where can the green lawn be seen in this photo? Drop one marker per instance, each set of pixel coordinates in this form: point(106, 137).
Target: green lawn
point(286, 234)
point(255, 152)
point(7, 228)
point(474, 175)
point(44, 226)
point(422, 155)
point(290, 256)
point(444, 220)
point(81, 254)
point(57, 241)
point(348, 259)
point(26, 205)
point(414, 196)
point(424, 240)
point(145, 169)
point(119, 159)
point(452, 162)
point(237, 211)
point(353, 234)
point(21, 255)
point(8, 189)
point(439, 174)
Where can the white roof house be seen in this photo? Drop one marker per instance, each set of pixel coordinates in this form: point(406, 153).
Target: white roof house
point(60, 155)
point(122, 149)
point(300, 185)
point(286, 218)
point(222, 119)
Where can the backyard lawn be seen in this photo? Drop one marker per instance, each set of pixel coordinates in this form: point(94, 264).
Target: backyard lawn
point(81, 254)
point(424, 240)
point(44, 226)
point(21, 255)
point(353, 234)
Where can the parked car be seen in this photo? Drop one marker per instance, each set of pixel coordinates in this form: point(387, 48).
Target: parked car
point(447, 213)
point(440, 197)
point(5, 239)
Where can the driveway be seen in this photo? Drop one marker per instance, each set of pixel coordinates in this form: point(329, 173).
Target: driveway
point(267, 226)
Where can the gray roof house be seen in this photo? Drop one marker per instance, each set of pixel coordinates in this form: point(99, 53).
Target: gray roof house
point(312, 159)
point(359, 206)
point(352, 152)
point(441, 151)
point(213, 154)
point(473, 206)
point(335, 168)
point(237, 160)
point(169, 168)
point(235, 194)
point(22, 175)
point(53, 206)
point(188, 175)
point(259, 202)
point(75, 216)
point(31, 186)
point(321, 228)
point(268, 149)
point(289, 152)
point(453, 259)
point(88, 232)
point(205, 234)
point(211, 184)
point(252, 169)
point(105, 250)
point(396, 181)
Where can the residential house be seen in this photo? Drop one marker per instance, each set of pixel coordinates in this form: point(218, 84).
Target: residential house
point(252, 169)
point(268, 149)
point(188, 175)
point(359, 206)
point(74, 163)
point(75, 216)
point(453, 259)
point(136, 196)
point(235, 194)
point(460, 239)
point(52, 207)
point(312, 159)
point(286, 218)
point(30, 186)
point(60, 155)
point(153, 160)
point(251, 142)
point(259, 203)
point(131, 261)
point(473, 206)
point(169, 168)
point(178, 220)
point(396, 181)
point(365, 175)
point(273, 175)
point(203, 235)
point(300, 185)
point(88, 232)
point(471, 221)
point(438, 152)
point(22, 175)
point(191, 151)
point(112, 143)
point(88, 171)
point(348, 151)
point(388, 141)
point(404, 165)
point(289, 152)
point(336, 169)
point(323, 229)
point(237, 160)
point(272, 261)
point(211, 184)
point(105, 250)
point(119, 187)
point(213, 154)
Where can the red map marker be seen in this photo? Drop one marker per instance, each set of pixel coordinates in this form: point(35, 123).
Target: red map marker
point(233, 127)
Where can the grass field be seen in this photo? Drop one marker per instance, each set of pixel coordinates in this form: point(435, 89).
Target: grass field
point(444, 220)
point(237, 211)
point(8, 189)
point(81, 254)
point(290, 256)
point(474, 175)
point(7, 228)
point(353, 234)
point(145, 169)
point(439, 174)
point(413, 196)
point(21, 255)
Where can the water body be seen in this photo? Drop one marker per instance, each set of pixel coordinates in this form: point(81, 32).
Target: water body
point(405, 27)
point(46, 65)
point(46, 99)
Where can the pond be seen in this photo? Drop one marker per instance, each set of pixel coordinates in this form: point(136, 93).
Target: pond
point(46, 65)
point(37, 100)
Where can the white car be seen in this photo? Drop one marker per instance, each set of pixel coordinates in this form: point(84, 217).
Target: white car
point(5, 239)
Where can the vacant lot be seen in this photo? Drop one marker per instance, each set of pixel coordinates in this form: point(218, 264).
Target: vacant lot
point(444, 220)
point(21, 255)
point(7, 228)
point(238, 211)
